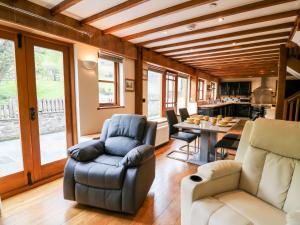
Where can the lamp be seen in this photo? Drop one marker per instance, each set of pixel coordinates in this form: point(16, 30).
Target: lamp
point(89, 64)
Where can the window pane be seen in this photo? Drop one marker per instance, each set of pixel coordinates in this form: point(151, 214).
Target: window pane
point(106, 70)
point(182, 92)
point(11, 159)
point(106, 92)
point(170, 91)
point(154, 94)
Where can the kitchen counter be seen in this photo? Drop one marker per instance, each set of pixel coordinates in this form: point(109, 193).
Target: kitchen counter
point(223, 104)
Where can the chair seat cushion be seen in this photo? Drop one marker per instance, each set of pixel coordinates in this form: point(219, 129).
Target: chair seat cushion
point(235, 208)
point(188, 137)
point(193, 131)
point(100, 174)
point(232, 136)
point(120, 146)
point(228, 144)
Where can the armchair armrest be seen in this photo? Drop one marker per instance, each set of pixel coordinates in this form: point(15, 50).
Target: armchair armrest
point(137, 156)
point(86, 151)
point(217, 177)
point(293, 218)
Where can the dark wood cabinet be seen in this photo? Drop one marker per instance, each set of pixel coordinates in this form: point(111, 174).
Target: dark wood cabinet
point(235, 88)
point(235, 109)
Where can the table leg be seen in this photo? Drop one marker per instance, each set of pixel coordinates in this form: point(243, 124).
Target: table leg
point(206, 154)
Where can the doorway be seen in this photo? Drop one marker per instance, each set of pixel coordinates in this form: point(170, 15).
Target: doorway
point(36, 116)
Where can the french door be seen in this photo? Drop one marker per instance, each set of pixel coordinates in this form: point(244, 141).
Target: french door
point(36, 116)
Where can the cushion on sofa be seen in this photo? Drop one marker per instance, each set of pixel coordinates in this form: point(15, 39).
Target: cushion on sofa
point(132, 126)
point(99, 175)
point(120, 146)
point(252, 208)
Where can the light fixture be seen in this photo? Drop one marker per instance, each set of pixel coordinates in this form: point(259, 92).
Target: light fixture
point(191, 27)
point(233, 43)
point(213, 5)
point(89, 64)
point(221, 19)
point(165, 32)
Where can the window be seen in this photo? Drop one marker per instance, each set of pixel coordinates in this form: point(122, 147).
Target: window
point(201, 88)
point(154, 94)
point(182, 92)
point(213, 87)
point(110, 82)
point(170, 99)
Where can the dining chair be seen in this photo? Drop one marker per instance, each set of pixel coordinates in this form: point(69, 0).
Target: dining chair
point(229, 141)
point(174, 133)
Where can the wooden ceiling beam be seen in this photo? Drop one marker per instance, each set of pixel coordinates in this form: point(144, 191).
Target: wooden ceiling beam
point(260, 68)
point(235, 41)
point(237, 60)
point(113, 10)
point(241, 65)
point(163, 12)
point(194, 54)
point(229, 35)
point(245, 75)
point(63, 6)
point(243, 56)
point(243, 52)
point(204, 18)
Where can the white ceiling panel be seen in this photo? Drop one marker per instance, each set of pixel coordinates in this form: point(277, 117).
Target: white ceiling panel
point(46, 3)
point(137, 11)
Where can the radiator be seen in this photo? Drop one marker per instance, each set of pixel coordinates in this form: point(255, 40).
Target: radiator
point(162, 134)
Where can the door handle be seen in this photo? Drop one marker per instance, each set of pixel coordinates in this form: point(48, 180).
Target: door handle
point(32, 113)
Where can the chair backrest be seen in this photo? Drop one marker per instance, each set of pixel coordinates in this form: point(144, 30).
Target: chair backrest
point(172, 119)
point(123, 132)
point(270, 153)
point(184, 114)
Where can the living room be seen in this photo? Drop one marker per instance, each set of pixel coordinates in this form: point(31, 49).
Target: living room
point(149, 112)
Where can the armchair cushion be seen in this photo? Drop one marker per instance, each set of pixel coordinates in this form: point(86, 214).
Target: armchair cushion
point(219, 169)
point(86, 151)
point(120, 146)
point(137, 156)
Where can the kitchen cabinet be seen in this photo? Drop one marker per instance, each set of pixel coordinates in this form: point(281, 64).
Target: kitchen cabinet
point(226, 109)
point(235, 88)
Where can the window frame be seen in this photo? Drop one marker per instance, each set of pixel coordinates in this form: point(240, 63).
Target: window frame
point(213, 90)
point(182, 76)
point(116, 82)
point(161, 72)
point(167, 75)
point(201, 90)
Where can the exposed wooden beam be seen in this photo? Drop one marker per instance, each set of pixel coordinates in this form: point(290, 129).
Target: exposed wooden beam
point(258, 69)
point(113, 10)
point(296, 27)
point(138, 79)
point(237, 60)
point(235, 41)
point(229, 12)
point(229, 35)
point(63, 6)
point(242, 65)
point(223, 27)
point(192, 55)
point(155, 15)
point(281, 83)
point(260, 50)
point(243, 56)
point(250, 75)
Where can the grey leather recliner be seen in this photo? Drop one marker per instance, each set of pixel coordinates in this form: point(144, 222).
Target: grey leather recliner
point(117, 171)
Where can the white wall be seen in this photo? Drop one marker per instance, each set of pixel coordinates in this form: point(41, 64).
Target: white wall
point(90, 119)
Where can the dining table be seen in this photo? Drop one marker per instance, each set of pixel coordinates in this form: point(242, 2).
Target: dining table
point(209, 137)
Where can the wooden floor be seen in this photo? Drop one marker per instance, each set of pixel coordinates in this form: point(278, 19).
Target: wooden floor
point(45, 205)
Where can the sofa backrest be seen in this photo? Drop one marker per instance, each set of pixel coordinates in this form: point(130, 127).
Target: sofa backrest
point(271, 163)
point(123, 132)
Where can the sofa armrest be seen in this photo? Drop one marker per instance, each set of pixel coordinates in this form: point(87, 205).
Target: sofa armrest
point(137, 156)
point(219, 169)
point(217, 177)
point(86, 151)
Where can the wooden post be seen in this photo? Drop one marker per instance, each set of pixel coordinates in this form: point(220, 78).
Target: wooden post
point(281, 82)
point(139, 81)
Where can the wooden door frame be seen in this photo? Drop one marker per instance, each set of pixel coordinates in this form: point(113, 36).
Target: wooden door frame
point(19, 182)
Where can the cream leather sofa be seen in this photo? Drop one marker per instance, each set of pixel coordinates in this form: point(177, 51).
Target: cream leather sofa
point(260, 187)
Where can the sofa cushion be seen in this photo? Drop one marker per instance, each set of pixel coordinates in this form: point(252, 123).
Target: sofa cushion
point(252, 167)
point(99, 175)
point(108, 159)
point(292, 202)
point(275, 180)
point(132, 126)
point(252, 208)
point(120, 146)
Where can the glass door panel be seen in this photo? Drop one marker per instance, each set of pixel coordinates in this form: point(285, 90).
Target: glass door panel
point(11, 159)
point(50, 93)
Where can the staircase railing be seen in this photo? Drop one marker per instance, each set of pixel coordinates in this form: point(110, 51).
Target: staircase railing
point(292, 107)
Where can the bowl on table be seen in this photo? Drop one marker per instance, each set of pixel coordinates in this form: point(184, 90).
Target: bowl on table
point(190, 120)
point(228, 119)
point(222, 123)
point(197, 121)
point(206, 118)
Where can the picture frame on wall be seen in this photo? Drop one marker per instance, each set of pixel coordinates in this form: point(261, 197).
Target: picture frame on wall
point(129, 85)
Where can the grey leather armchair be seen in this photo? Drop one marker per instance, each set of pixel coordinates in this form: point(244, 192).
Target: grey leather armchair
point(117, 171)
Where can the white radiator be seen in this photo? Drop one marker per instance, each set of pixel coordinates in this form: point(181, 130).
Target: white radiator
point(162, 134)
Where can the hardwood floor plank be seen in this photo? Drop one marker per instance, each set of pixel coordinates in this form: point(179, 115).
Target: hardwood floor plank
point(45, 205)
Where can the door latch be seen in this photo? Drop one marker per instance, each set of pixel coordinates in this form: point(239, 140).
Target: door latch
point(32, 113)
